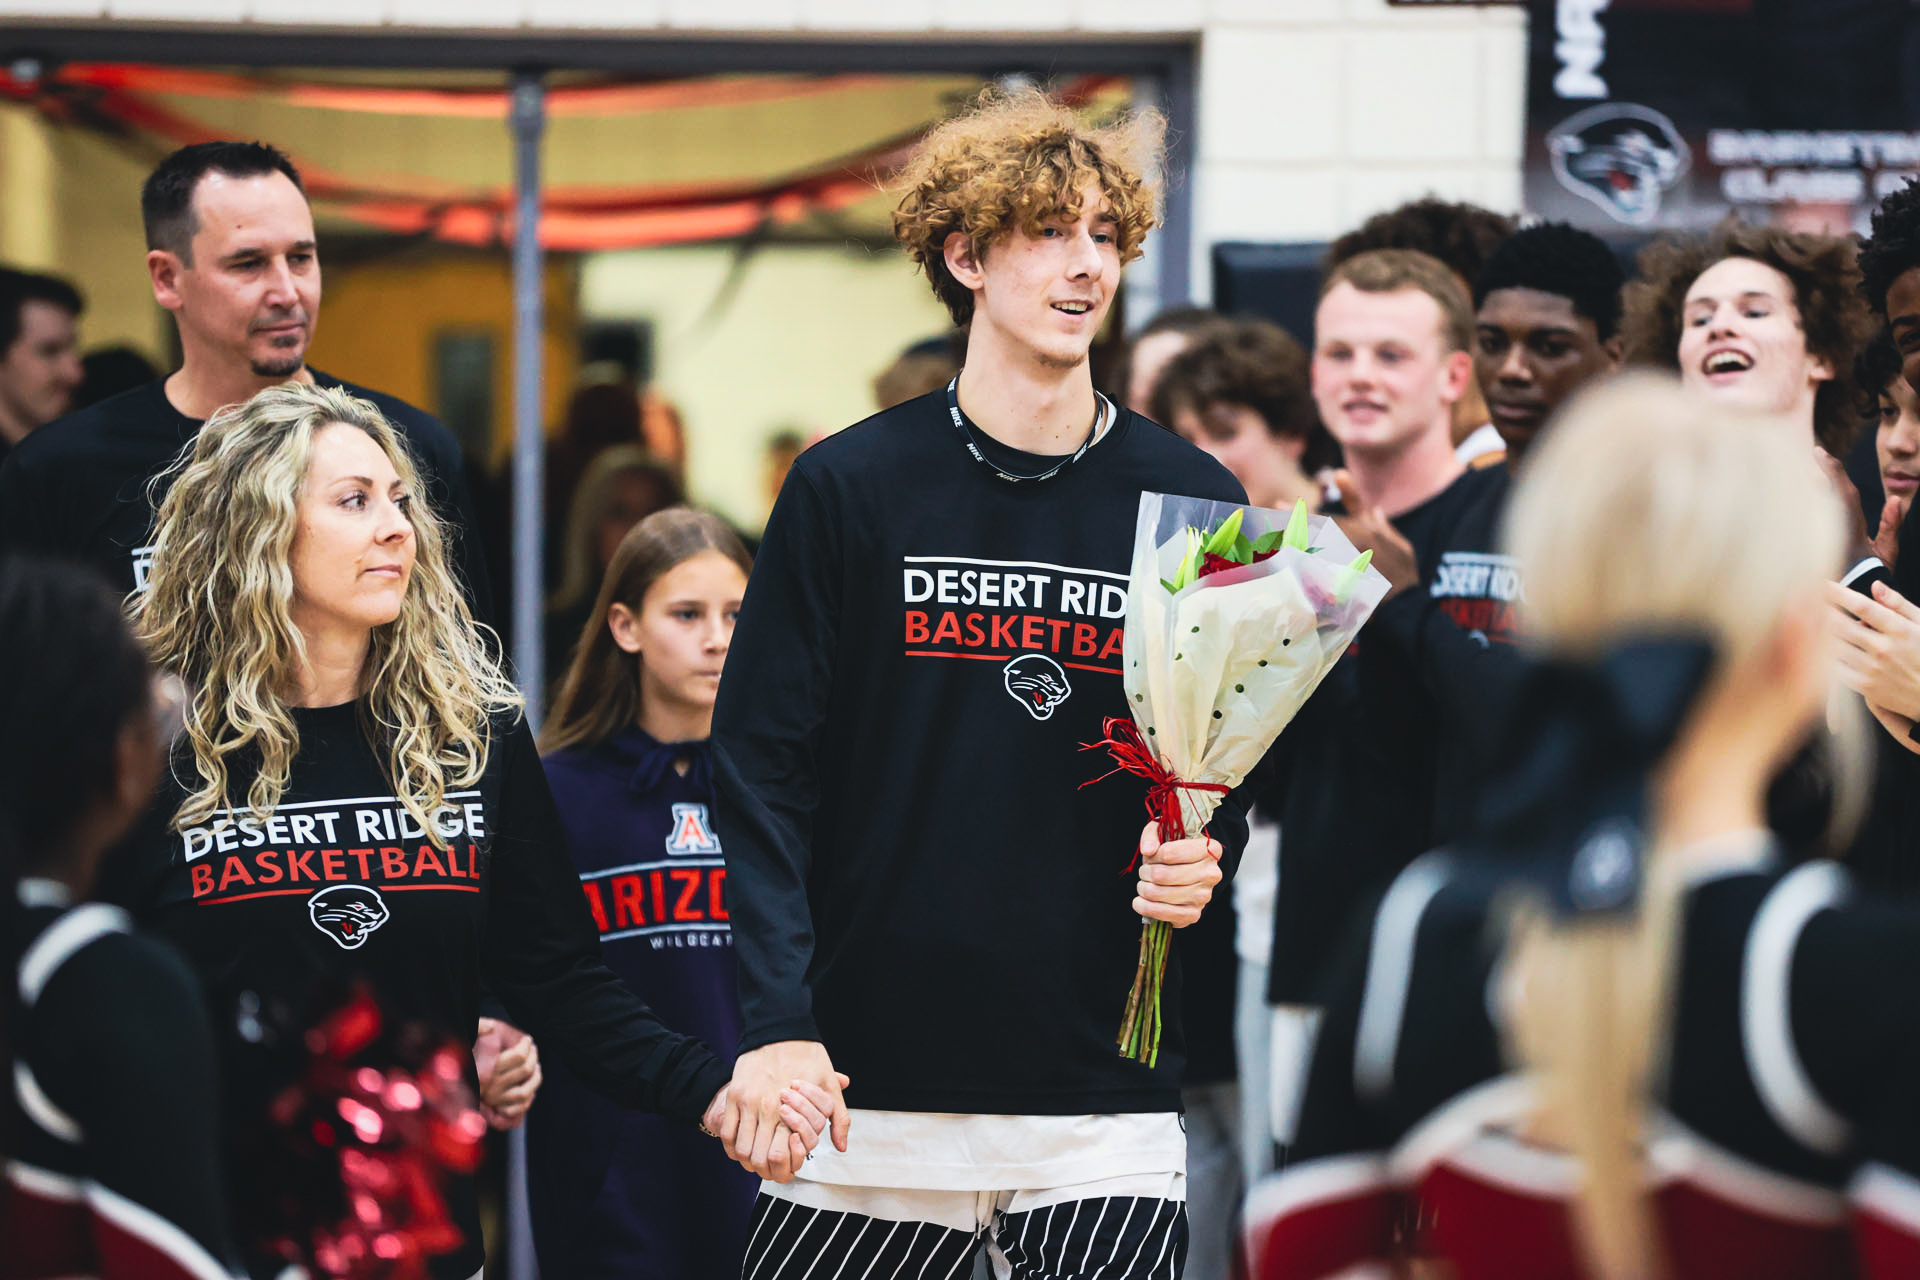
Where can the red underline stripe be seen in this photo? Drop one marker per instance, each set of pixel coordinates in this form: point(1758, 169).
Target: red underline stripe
point(384, 888)
point(264, 893)
point(1002, 657)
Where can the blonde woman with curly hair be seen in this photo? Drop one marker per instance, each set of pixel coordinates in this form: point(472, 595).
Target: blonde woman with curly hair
point(922, 895)
point(357, 795)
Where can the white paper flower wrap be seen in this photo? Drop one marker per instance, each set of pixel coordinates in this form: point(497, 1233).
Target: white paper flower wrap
point(1217, 669)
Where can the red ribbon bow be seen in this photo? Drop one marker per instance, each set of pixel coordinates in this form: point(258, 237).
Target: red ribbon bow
point(1131, 754)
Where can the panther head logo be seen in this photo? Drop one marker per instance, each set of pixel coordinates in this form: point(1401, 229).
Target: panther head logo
point(347, 913)
point(1037, 683)
point(1620, 156)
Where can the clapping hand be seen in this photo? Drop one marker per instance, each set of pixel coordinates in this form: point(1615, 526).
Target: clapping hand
point(1368, 528)
point(1879, 653)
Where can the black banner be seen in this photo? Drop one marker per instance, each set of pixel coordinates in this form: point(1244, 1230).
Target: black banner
point(1644, 114)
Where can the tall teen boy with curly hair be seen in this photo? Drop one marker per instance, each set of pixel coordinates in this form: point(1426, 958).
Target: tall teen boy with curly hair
point(922, 895)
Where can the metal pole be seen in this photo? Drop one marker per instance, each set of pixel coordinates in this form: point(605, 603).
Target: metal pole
point(528, 120)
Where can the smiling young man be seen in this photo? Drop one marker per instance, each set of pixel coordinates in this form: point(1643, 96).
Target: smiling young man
point(1460, 237)
point(1760, 318)
point(1768, 321)
point(923, 895)
point(231, 253)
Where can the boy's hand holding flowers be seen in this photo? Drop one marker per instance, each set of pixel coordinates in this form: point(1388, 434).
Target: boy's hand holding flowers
point(1177, 879)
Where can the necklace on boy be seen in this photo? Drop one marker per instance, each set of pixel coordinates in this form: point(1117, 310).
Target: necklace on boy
point(965, 429)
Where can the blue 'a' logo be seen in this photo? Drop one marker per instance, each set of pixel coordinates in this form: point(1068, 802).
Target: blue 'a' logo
point(692, 831)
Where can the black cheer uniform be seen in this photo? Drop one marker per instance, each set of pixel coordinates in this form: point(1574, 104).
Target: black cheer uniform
point(81, 486)
point(113, 1161)
point(340, 882)
point(1784, 1143)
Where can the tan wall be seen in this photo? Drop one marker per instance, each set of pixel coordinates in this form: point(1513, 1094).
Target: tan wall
point(797, 347)
point(70, 204)
point(379, 322)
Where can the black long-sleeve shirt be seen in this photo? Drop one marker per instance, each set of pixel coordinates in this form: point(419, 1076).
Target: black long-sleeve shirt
point(340, 883)
point(1354, 774)
point(916, 876)
point(79, 487)
point(1456, 630)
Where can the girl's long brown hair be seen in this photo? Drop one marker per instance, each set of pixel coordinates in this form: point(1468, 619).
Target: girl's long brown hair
point(601, 694)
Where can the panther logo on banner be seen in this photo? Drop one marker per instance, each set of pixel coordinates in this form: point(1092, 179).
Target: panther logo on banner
point(1621, 157)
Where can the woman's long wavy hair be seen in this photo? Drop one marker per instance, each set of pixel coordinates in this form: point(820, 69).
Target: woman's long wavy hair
point(218, 613)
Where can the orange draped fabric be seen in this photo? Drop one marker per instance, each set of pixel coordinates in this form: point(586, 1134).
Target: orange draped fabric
point(122, 99)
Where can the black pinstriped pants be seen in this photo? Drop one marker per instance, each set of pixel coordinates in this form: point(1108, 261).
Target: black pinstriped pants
point(1101, 1238)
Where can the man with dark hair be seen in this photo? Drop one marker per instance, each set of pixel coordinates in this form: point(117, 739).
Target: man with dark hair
point(1462, 237)
point(231, 252)
point(1547, 321)
point(39, 352)
point(1890, 274)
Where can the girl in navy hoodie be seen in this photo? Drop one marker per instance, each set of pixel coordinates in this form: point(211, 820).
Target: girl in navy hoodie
point(618, 1193)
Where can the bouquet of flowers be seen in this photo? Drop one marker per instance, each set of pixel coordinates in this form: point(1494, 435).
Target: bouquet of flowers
point(1234, 615)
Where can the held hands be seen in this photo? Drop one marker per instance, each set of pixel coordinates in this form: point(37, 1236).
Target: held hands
point(1879, 652)
point(783, 1097)
point(1176, 878)
point(508, 1064)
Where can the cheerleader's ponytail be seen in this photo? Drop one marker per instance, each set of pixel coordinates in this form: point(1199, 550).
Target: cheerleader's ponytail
point(1646, 514)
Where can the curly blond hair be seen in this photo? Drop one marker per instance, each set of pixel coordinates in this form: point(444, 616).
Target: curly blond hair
point(217, 612)
point(1021, 160)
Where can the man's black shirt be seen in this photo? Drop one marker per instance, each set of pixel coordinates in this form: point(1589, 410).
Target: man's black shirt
point(82, 486)
point(919, 878)
point(1352, 778)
